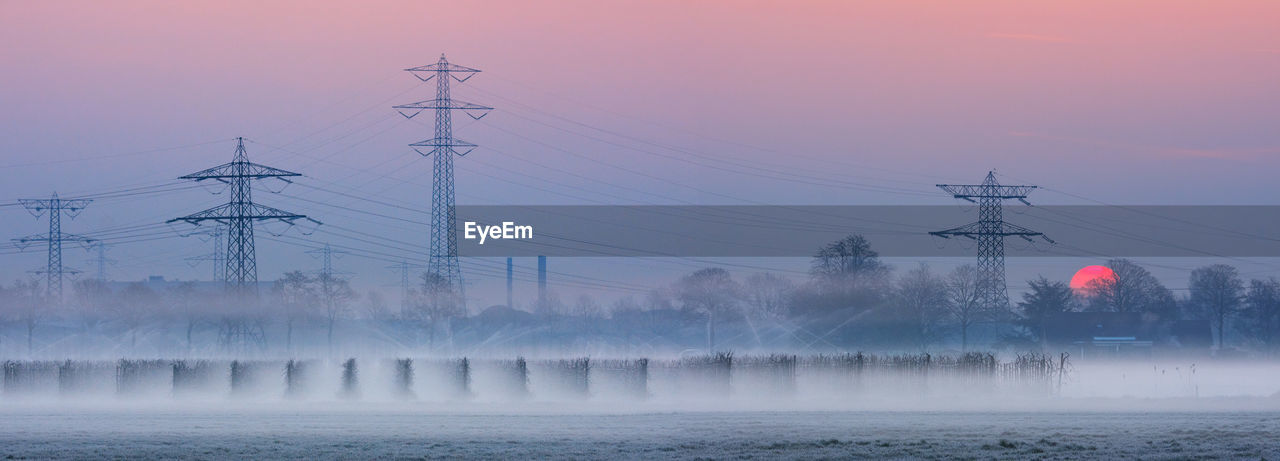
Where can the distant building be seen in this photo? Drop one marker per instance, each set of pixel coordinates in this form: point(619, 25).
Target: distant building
point(1125, 334)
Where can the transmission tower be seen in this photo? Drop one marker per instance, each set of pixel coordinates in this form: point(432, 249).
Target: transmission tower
point(989, 232)
point(326, 273)
point(403, 268)
point(328, 283)
point(443, 257)
point(54, 272)
point(218, 256)
point(101, 260)
point(326, 254)
point(238, 216)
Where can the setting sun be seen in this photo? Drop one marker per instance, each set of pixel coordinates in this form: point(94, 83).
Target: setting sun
point(1080, 281)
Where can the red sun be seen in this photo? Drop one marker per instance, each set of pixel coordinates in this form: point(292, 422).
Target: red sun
point(1080, 281)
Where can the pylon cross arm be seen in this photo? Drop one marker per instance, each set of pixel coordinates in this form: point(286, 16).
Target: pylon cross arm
point(37, 207)
point(431, 146)
point(46, 238)
point(228, 212)
point(65, 270)
point(77, 238)
point(412, 109)
point(32, 238)
point(972, 191)
point(442, 67)
point(974, 230)
point(236, 170)
point(443, 142)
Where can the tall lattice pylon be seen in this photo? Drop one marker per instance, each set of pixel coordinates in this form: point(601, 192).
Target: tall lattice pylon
point(219, 255)
point(326, 273)
point(326, 254)
point(402, 269)
point(443, 259)
point(101, 261)
point(54, 271)
point(238, 216)
point(989, 232)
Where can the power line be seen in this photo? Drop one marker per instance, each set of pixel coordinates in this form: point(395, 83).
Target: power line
point(704, 135)
point(108, 156)
point(751, 170)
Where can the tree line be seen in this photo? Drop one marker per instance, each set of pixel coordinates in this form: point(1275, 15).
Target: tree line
point(848, 299)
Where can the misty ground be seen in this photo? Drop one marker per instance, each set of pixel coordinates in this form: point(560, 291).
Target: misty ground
point(1191, 429)
point(1104, 410)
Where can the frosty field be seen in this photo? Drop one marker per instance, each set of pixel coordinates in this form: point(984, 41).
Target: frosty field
point(1100, 410)
point(385, 431)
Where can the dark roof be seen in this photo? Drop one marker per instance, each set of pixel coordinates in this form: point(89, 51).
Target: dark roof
point(1071, 327)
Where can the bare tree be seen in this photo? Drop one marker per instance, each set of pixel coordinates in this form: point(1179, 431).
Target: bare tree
point(298, 295)
point(1262, 313)
point(625, 304)
point(93, 300)
point(767, 295)
point(137, 302)
point(184, 300)
point(336, 296)
point(551, 305)
point(376, 307)
point(849, 257)
point(1218, 291)
point(965, 303)
point(434, 303)
point(711, 291)
point(634, 317)
point(1131, 289)
point(921, 299)
point(659, 298)
point(846, 274)
point(30, 307)
point(9, 301)
point(587, 307)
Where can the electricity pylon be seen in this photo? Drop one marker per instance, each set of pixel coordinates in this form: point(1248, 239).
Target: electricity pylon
point(101, 260)
point(326, 273)
point(326, 254)
point(239, 216)
point(54, 272)
point(218, 256)
point(989, 231)
point(329, 285)
point(403, 268)
point(443, 257)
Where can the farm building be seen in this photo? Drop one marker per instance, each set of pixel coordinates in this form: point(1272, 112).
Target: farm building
point(1125, 334)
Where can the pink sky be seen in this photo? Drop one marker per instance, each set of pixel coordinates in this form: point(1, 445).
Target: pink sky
point(996, 82)
point(1125, 101)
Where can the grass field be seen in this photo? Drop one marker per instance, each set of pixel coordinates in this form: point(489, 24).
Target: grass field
point(413, 431)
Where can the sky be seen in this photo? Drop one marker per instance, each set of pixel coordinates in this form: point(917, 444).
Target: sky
point(708, 102)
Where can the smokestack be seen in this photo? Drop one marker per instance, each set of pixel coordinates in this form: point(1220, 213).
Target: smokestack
point(542, 282)
point(509, 284)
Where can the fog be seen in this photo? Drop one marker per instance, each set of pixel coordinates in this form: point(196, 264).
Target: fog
point(852, 334)
point(723, 382)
